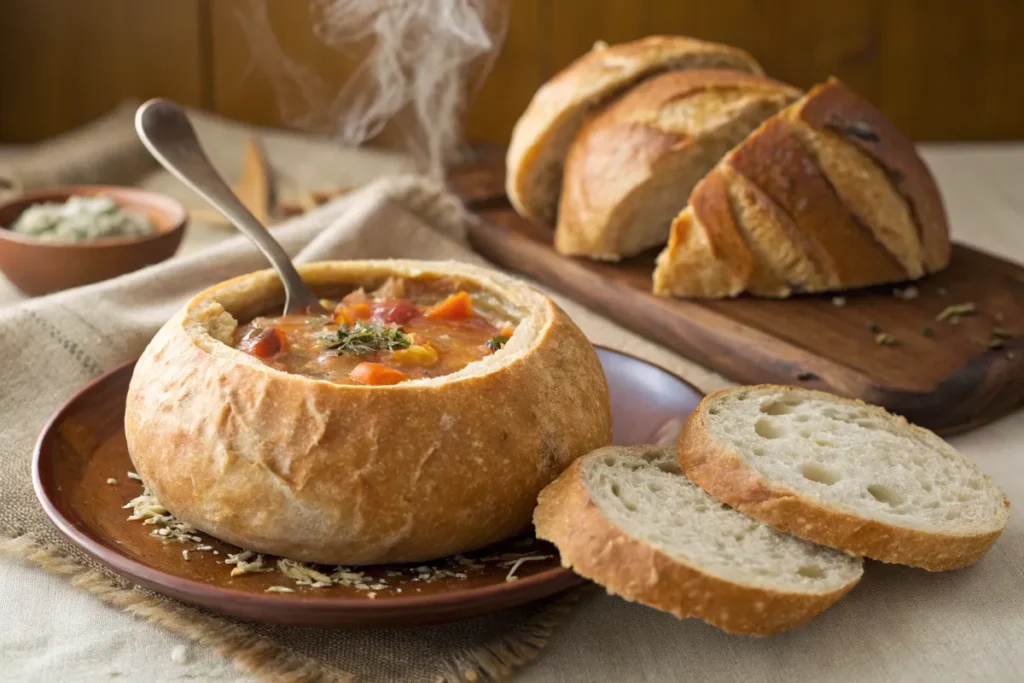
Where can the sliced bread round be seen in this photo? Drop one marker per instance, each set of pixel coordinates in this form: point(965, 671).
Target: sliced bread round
point(632, 166)
point(628, 519)
point(844, 474)
point(543, 133)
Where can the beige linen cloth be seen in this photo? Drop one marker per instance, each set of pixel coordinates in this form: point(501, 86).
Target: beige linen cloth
point(899, 624)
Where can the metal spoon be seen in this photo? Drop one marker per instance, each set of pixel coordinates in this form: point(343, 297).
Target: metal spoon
point(167, 134)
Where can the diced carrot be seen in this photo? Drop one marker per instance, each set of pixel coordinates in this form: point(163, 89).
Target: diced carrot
point(507, 330)
point(456, 307)
point(375, 374)
point(360, 311)
point(341, 316)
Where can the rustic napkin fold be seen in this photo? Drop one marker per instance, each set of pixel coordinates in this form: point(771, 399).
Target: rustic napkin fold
point(55, 344)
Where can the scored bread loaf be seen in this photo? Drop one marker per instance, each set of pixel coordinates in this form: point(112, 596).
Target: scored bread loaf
point(844, 474)
point(543, 133)
point(825, 195)
point(632, 166)
point(627, 518)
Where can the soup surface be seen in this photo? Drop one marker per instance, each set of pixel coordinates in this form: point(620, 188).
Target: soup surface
point(403, 330)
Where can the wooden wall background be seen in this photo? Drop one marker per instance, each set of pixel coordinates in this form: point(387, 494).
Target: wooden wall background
point(941, 69)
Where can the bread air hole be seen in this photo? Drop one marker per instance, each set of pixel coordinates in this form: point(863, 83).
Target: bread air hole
point(767, 429)
point(820, 473)
point(776, 408)
point(825, 443)
point(802, 418)
point(811, 572)
point(884, 494)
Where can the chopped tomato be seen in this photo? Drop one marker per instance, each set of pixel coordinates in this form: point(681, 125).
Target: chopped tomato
point(456, 307)
point(375, 374)
point(265, 343)
point(394, 311)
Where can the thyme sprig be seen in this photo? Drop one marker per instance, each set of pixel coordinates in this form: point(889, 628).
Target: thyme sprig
point(361, 338)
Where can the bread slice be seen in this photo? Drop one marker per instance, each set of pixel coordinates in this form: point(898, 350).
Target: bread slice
point(632, 166)
point(543, 133)
point(826, 195)
point(844, 474)
point(629, 520)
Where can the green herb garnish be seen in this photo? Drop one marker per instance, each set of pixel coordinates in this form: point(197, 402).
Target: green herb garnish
point(955, 312)
point(495, 343)
point(361, 339)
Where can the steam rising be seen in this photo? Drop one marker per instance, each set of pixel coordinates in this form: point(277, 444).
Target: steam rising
point(418, 63)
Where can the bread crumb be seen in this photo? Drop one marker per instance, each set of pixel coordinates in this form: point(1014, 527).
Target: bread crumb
point(886, 339)
point(907, 293)
point(179, 655)
point(184, 553)
point(111, 481)
point(839, 301)
point(371, 595)
point(279, 589)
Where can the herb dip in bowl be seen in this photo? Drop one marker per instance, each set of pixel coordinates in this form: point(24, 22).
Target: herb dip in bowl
point(65, 237)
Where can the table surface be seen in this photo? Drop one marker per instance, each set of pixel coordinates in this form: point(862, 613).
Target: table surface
point(50, 629)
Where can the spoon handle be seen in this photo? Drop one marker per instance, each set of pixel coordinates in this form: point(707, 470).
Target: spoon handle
point(168, 135)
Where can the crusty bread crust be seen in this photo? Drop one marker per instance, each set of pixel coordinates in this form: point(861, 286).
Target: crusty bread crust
point(331, 473)
point(833, 106)
point(805, 174)
point(543, 133)
point(725, 475)
point(633, 164)
point(598, 550)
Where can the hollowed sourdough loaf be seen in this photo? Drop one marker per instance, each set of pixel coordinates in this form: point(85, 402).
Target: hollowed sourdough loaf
point(825, 195)
point(632, 166)
point(323, 472)
point(556, 113)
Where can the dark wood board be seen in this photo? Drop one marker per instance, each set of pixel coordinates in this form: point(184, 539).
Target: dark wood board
point(950, 381)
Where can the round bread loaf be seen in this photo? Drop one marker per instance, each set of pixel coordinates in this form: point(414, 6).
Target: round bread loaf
point(316, 471)
point(631, 168)
point(556, 113)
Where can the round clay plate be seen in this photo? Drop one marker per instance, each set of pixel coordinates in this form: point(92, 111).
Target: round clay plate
point(80, 472)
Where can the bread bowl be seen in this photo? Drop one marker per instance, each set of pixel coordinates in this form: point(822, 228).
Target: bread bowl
point(339, 472)
point(543, 133)
point(632, 166)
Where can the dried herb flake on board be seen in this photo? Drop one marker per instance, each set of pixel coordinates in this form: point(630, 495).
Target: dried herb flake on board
point(956, 311)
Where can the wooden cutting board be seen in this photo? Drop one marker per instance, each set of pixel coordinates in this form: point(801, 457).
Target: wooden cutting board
point(939, 374)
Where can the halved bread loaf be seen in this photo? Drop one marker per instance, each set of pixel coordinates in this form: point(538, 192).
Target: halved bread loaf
point(632, 166)
point(844, 474)
point(629, 520)
point(544, 132)
point(825, 195)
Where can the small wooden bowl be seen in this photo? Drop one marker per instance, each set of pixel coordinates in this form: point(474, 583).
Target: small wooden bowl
point(39, 267)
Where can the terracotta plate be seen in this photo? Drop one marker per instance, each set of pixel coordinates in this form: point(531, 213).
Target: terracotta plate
point(82, 451)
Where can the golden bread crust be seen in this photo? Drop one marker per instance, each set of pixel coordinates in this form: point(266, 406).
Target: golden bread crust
point(345, 474)
point(833, 197)
point(543, 133)
point(632, 165)
point(726, 476)
point(595, 548)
